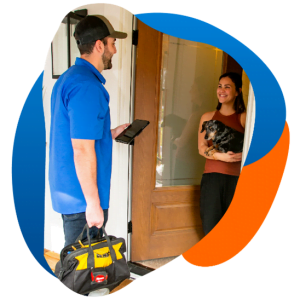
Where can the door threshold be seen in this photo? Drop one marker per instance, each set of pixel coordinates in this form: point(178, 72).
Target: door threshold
point(157, 262)
point(138, 270)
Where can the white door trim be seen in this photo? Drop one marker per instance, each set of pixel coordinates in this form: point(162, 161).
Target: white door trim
point(249, 126)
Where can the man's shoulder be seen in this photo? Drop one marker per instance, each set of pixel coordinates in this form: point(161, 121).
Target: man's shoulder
point(77, 77)
point(77, 74)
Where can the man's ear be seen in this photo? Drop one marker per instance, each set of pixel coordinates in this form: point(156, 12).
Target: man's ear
point(99, 46)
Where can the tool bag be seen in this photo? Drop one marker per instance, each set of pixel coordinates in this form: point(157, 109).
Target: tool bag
point(92, 264)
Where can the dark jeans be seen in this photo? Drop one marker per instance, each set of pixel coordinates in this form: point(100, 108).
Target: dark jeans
point(216, 193)
point(74, 224)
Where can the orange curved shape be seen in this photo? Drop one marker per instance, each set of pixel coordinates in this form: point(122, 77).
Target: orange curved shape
point(254, 251)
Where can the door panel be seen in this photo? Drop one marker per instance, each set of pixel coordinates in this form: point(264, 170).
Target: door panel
point(175, 84)
point(145, 108)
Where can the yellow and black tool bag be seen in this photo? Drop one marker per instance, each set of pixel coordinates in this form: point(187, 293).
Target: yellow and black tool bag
point(92, 264)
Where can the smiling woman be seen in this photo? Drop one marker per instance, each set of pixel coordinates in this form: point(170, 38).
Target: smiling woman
point(221, 169)
point(226, 90)
point(229, 92)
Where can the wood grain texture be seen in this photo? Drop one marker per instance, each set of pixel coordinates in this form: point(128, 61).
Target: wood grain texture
point(166, 221)
point(175, 216)
point(146, 104)
point(52, 258)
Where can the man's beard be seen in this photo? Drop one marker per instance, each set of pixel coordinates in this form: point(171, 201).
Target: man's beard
point(106, 58)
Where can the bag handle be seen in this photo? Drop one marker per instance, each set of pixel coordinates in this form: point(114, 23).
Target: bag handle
point(79, 238)
point(111, 249)
point(91, 260)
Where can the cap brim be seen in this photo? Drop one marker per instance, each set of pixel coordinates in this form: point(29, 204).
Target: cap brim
point(118, 35)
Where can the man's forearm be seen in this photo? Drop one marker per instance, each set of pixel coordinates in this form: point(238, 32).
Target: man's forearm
point(86, 170)
point(85, 161)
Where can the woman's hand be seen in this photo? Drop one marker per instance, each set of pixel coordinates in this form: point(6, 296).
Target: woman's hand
point(228, 157)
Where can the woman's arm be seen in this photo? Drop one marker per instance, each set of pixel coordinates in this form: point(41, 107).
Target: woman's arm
point(228, 156)
point(203, 144)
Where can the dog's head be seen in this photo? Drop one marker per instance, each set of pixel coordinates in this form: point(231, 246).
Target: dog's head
point(212, 128)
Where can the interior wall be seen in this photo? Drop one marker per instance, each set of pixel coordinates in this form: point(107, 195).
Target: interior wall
point(118, 86)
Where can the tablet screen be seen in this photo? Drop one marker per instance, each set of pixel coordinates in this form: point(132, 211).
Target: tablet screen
point(132, 131)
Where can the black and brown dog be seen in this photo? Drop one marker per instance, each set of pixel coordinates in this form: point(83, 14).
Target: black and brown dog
point(224, 138)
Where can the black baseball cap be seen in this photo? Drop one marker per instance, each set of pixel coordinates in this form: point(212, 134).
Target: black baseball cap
point(93, 28)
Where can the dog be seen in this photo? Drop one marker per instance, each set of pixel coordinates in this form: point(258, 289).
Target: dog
point(224, 138)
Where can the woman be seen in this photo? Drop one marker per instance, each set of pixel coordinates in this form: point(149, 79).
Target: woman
point(221, 170)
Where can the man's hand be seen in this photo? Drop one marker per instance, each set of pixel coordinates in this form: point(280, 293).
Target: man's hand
point(115, 132)
point(94, 215)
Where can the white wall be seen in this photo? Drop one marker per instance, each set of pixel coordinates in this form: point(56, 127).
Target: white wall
point(118, 85)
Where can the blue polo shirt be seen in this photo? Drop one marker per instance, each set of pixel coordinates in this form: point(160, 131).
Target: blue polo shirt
point(79, 110)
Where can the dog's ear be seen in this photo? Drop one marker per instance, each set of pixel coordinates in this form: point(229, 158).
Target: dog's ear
point(203, 126)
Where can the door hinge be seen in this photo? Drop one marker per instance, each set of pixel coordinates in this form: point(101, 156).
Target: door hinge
point(129, 227)
point(135, 37)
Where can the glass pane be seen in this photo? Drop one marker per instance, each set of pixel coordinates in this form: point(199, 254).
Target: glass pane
point(189, 79)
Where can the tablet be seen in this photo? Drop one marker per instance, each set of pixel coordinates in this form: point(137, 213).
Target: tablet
point(133, 130)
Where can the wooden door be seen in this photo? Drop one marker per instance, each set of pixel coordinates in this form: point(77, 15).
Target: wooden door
point(166, 220)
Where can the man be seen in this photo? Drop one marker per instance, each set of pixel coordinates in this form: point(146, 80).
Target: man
point(80, 135)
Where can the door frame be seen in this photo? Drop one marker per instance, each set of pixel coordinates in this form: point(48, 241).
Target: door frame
point(130, 154)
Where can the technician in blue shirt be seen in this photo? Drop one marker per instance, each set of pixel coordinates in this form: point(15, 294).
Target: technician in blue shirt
point(80, 135)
